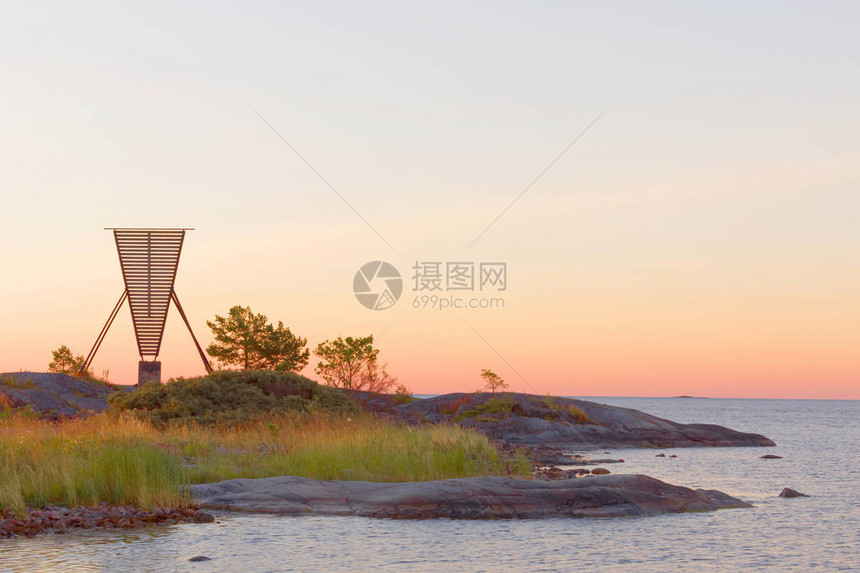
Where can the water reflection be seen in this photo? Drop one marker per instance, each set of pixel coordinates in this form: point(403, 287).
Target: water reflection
point(78, 551)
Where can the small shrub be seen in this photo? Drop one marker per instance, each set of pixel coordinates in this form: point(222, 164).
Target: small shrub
point(402, 395)
point(482, 412)
point(497, 406)
point(578, 415)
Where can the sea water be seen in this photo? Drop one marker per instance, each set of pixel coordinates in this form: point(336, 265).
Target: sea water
point(817, 439)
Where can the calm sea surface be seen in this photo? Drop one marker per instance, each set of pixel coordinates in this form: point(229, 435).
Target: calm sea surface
point(819, 442)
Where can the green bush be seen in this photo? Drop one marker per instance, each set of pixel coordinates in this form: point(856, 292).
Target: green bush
point(230, 396)
point(482, 412)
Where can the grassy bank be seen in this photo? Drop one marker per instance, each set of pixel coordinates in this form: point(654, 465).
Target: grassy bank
point(121, 459)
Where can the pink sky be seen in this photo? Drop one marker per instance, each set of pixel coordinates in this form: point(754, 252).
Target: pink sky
point(700, 238)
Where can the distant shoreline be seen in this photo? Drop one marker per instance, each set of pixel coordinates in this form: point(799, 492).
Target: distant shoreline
point(583, 397)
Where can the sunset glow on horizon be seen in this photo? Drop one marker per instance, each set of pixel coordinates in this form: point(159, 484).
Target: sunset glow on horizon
point(700, 238)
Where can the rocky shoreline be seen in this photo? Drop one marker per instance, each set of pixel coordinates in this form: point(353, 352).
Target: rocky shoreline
point(529, 420)
point(464, 498)
point(54, 519)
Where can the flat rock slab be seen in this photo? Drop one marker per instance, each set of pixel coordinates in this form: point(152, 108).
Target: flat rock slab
point(539, 420)
point(53, 395)
point(465, 498)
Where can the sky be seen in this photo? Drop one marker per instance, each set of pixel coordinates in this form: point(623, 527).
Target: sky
point(672, 186)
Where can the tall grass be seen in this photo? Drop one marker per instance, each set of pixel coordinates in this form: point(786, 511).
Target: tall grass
point(82, 462)
point(121, 459)
point(323, 447)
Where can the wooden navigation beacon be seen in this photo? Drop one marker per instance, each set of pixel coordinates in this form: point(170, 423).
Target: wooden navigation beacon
point(149, 259)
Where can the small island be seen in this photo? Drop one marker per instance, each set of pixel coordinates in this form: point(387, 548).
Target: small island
point(277, 442)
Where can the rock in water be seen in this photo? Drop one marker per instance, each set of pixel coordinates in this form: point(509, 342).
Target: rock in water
point(464, 498)
point(600, 471)
point(200, 558)
point(201, 516)
point(770, 457)
point(788, 492)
